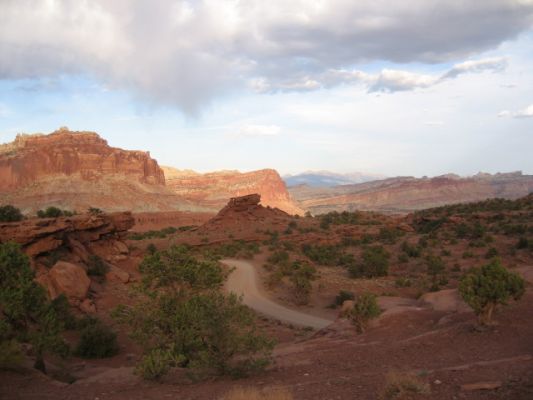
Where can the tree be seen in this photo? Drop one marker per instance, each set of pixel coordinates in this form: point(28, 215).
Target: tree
point(50, 212)
point(26, 314)
point(375, 263)
point(365, 308)
point(485, 288)
point(9, 213)
point(182, 319)
point(435, 269)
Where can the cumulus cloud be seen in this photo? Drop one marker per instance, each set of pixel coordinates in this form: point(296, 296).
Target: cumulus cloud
point(525, 113)
point(186, 52)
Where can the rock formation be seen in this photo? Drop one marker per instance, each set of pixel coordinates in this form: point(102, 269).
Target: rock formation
point(406, 194)
point(39, 236)
point(212, 190)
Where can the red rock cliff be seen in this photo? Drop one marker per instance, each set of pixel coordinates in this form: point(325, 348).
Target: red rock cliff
point(30, 158)
point(214, 189)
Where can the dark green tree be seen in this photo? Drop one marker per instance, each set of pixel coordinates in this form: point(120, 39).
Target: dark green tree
point(365, 309)
point(485, 288)
point(182, 319)
point(26, 314)
point(9, 213)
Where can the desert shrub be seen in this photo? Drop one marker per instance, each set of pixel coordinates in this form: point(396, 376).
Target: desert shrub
point(96, 266)
point(403, 386)
point(403, 258)
point(523, 243)
point(97, 341)
point(322, 254)
point(301, 276)
point(156, 363)
point(411, 250)
point(374, 263)
point(435, 269)
point(342, 218)
point(402, 282)
point(26, 314)
point(445, 253)
point(364, 310)
point(151, 249)
point(240, 393)
point(278, 257)
point(182, 319)
point(342, 297)
point(468, 254)
point(491, 253)
point(9, 213)
point(50, 212)
point(427, 225)
point(11, 355)
point(485, 288)
point(390, 235)
point(94, 211)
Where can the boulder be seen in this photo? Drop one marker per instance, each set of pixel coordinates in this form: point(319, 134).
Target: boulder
point(88, 307)
point(121, 247)
point(118, 275)
point(69, 279)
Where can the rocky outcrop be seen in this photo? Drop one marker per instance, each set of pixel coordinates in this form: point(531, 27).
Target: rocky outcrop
point(82, 154)
point(243, 216)
point(38, 236)
point(212, 190)
point(406, 194)
point(78, 170)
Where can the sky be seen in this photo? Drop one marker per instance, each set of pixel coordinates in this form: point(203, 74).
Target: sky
point(412, 87)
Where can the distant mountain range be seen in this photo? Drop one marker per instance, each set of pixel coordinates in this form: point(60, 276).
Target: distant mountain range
point(406, 194)
point(329, 179)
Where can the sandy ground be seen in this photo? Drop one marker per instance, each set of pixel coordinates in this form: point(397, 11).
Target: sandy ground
point(244, 281)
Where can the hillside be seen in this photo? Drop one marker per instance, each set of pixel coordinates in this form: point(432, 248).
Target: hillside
point(212, 190)
point(406, 194)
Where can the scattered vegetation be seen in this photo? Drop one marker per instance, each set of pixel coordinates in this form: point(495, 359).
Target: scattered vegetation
point(403, 386)
point(485, 288)
point(26, 314)
point(342, 297)
point(9, 213)
point(364, 310)
point(54, 212)
point(374, 263)
point(96, 266)
point(183, 320)
point(96, 341)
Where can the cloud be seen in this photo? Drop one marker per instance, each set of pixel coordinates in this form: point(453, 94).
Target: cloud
point(525, 113)
point(388, 80)
point(185, 53)
point(258, 130)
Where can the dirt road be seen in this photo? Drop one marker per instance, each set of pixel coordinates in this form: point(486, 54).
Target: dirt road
point(244, 281)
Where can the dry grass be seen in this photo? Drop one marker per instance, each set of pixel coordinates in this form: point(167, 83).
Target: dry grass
point(399, 386)
point(250, 393)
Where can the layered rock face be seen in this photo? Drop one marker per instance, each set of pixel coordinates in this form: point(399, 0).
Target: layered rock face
point(406, 194)
point(77, 170)
point(30, 158)
point(212, 190)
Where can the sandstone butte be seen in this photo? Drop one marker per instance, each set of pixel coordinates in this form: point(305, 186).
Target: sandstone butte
point(78, 170)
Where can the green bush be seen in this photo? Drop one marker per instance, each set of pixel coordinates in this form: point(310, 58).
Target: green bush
point(97, 341)
point(411, 250)
point(491, 253)
point(435, 268)
point(365, 309)
point(523, 243)
point(96, 266)
point(342, 297)
point(8, 213)
point(374, 263)
point(485, 288)
point(26, 314)
point(50, 212)
point(182, 319)
point(301, 275)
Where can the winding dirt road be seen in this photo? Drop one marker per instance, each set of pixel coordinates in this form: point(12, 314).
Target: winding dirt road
point(244, 281)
